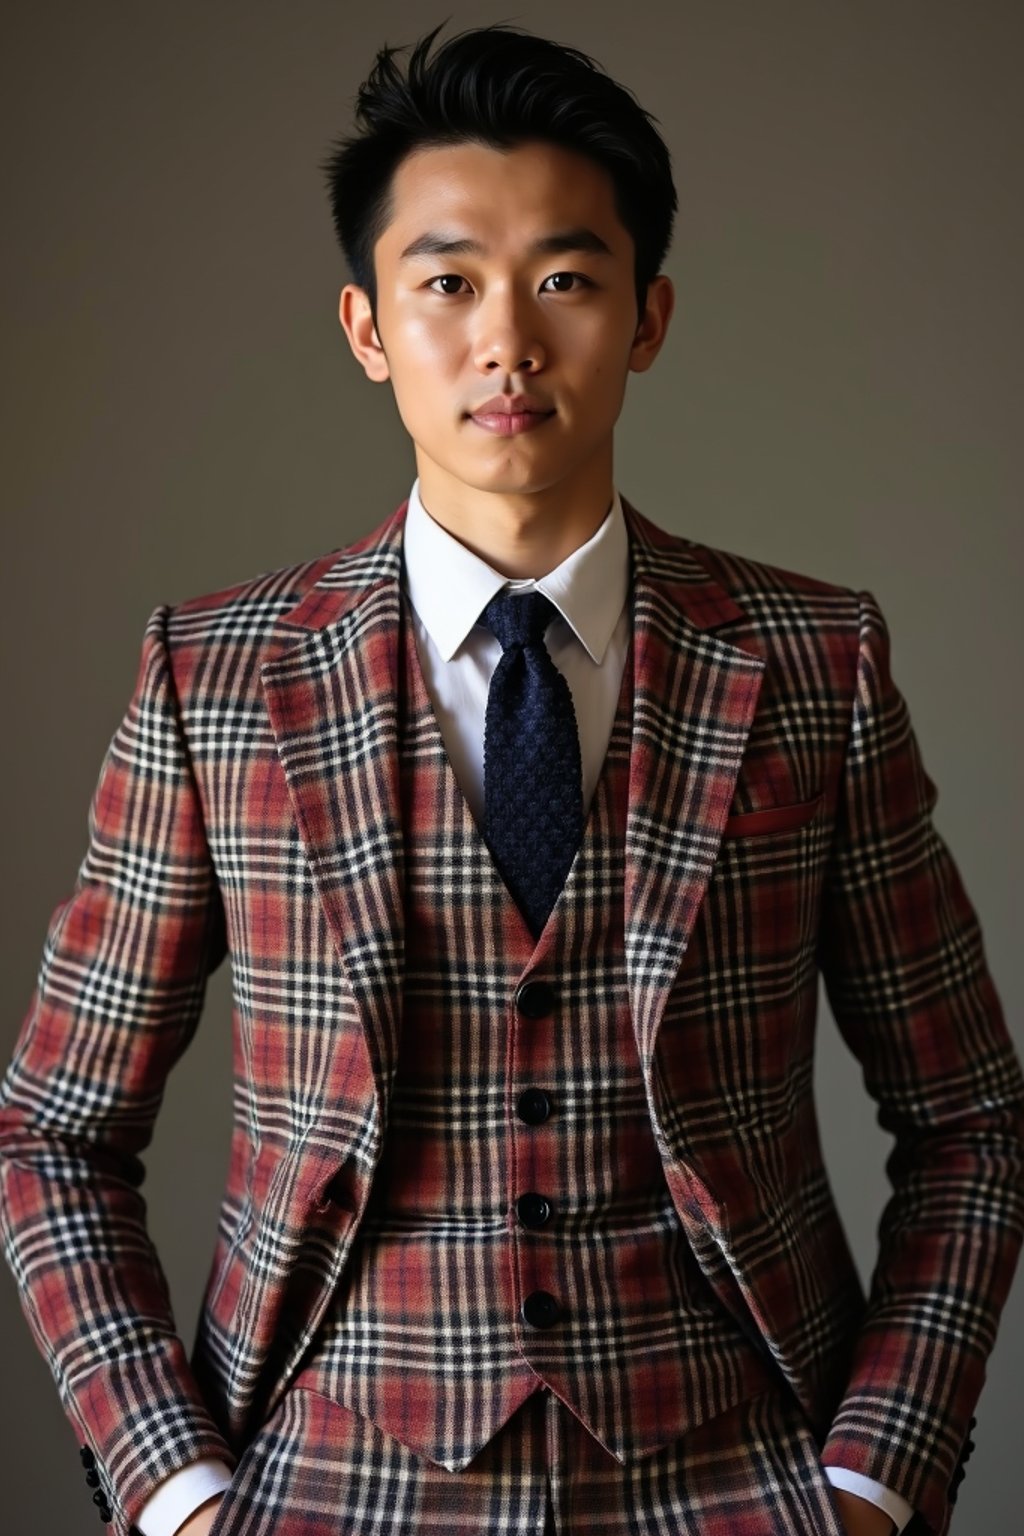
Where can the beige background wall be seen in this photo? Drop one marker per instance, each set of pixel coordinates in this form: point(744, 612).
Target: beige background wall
point(840, 393)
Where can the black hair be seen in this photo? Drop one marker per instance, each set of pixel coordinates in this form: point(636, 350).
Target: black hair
point(498, 86)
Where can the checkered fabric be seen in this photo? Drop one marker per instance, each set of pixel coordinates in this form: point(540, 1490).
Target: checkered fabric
point(424, 1334)
point(778, 831)
point(315, 1468)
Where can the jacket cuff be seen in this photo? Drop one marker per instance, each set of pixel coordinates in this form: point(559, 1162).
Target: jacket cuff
point(899, 1510)
point(141, 1420)
point(181, 1494)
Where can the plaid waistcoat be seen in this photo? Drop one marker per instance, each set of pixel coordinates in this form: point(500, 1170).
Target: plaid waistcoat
point(424, 1334)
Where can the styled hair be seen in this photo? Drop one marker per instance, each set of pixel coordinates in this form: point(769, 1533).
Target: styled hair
point(499, 86)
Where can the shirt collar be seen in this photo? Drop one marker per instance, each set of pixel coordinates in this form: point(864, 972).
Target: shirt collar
point(449, 585)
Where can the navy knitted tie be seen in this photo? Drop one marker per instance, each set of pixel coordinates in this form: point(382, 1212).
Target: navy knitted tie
point(533, 779)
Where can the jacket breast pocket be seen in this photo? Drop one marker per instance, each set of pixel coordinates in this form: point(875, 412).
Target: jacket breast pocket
point(773, 818)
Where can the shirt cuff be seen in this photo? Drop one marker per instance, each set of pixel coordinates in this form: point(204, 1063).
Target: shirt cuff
point(181, 1494)
point(894, 1504)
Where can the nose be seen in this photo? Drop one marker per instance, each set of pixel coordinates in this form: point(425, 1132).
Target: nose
point(507, 336)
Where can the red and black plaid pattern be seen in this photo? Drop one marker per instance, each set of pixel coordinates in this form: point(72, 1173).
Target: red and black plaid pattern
point(424, 1335)
point(779, 828)
point(318, 1469)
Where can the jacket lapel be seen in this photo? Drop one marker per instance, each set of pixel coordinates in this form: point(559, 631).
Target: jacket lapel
point(332, 698)
point(694, 699)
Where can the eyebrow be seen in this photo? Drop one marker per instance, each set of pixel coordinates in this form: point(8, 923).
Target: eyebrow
point(580, 240)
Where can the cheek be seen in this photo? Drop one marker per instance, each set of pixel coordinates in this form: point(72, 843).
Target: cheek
point(420, 366)
point(424, 340)
point(426, 335)
point(595, 354)
point(427, 406)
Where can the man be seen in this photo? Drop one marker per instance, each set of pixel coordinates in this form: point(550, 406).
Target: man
point(528, 826)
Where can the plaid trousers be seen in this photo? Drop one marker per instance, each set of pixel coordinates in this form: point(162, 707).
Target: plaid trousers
point(317, 1468)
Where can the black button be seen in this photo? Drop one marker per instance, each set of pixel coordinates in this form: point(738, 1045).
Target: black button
point(533, 1210)
point(535, 999)
point(88, 1458)
point(99, 1497)
point(533, 1106)
point(92, 1477)
point(540, 1309)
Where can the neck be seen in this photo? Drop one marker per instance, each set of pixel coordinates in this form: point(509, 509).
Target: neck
point(524, 534)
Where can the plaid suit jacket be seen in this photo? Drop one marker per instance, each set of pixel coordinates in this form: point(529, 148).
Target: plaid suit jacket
point(779, 828)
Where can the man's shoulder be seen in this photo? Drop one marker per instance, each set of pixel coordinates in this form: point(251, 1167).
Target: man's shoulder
point(244, 615)
point(767, 592)
point(805, 627)
point(258, 599)
point(218, 640)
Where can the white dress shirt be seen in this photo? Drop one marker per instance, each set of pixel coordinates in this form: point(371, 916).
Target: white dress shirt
point(448, 587)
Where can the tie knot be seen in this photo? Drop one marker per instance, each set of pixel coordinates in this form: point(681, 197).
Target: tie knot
point(518, 618)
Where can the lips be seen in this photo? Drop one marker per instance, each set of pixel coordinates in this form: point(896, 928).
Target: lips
point(513, 405)
point(508, 423)
point(506, 415)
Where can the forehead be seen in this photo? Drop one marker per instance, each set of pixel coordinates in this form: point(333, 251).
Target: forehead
point(501, 199)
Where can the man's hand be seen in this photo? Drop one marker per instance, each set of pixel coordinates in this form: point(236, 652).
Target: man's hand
point(859, 1516)
point(201, 1520)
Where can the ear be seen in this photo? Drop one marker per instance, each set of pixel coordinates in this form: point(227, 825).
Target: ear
point(653, 323)
point(357, 323)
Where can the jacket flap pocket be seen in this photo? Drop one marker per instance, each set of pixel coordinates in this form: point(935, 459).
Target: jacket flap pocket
point(773, 818)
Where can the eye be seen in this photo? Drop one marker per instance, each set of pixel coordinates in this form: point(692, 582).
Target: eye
point(585, 280)
point(445, 277)
point(453, 277)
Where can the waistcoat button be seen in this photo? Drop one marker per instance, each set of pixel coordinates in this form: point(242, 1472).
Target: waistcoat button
point(533, 1106)
point(535, 999)
point(540, 1309)
point(533, 1210)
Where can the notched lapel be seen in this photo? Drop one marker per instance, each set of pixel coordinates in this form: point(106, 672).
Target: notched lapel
point(332, 699)
point(695, 695)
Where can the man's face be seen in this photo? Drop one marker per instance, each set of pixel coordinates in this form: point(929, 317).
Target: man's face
point(455, 328)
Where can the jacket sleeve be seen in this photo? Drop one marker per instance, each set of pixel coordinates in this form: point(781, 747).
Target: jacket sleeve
point(117, 999)
point(905, 973)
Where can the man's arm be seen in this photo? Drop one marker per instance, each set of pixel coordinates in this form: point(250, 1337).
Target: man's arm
point(185, 1503)
point(853, 1492)
point(903, 962)
point(118, 997)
